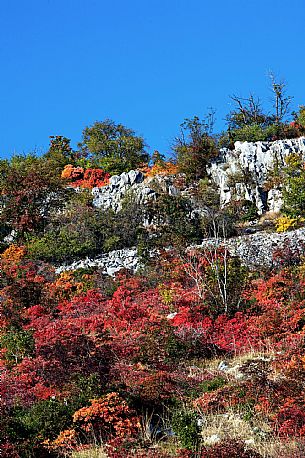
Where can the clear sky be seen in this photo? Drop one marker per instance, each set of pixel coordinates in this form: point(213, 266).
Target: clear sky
point(145, 63)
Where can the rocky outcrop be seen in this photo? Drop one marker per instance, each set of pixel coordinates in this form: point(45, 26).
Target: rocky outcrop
point(243, 172)
point(240, 174)
point(255, 251)
point(109, 263)
point(132, 184)
point(258, 250)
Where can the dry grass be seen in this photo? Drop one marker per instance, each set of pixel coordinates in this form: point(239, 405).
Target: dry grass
point(237, 360)
point(95, 452)
point(259, 437)
point(241, 422)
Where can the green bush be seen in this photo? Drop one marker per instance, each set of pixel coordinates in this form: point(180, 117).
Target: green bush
point(211, 385)
point(294, 187)
point(195, 147)
point(258, 133)
point(112, 147)
point(27, 428)
point(184, 424)
point(251, 133)
point(84, 231)
point(18, 344)
point(173, 222)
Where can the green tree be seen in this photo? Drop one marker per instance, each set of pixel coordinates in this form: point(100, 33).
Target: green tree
point(294, 186)
point(18, 344)
point(60, 152)
point(195, 146)
point(113, 147)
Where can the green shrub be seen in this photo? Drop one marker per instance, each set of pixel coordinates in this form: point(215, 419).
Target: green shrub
point(18, 344)
point(211, 385)
point(185, 425)
point(251, 133)
point(112, 147)
point(27, 428)
point(249, 211)
point(62, 245)
point(294, 187)
point(195, 147)
point(84, 231)
point(172, 222)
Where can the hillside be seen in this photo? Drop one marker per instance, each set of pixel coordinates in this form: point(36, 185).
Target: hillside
point(153, 307)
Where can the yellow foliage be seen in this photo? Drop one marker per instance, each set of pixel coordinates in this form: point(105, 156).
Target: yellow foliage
point(285, 223)
point(294, 160)
point(167, 294)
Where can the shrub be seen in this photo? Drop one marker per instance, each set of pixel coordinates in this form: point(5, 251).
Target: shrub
point(30, 191)
point(171, 221)
point(285, 223)
point(89, 178)
point(212, 385)
point(294, 186)
point(103, 420)
point(229, 449)
point(186, 427)
point(195, 147)
point(251, 133)
point(28, 428)
point(17, 343)
point(85, 231)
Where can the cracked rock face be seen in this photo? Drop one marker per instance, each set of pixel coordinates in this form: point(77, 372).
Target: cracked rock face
point(111, 196)
point(109, 263)
point(133, 184)
point(243, 172)
point(257, 250)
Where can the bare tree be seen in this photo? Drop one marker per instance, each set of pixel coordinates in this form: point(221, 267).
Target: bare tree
point(248, 111)
point(219, 278)
point(281, 101)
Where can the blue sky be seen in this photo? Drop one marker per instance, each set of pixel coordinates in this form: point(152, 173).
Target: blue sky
point(145, 63)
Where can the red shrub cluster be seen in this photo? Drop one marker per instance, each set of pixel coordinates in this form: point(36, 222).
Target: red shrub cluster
point(54, 328)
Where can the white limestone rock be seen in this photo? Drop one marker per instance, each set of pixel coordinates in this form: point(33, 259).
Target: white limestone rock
point(252, 163)
point(134, 184)
point(109, 263)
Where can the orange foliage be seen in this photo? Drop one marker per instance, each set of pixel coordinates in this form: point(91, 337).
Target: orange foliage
point(72, 173)
point(89, 178)
point(112, 412)
point(95, 178)
point(66, 286)
point(163, 169)
point(13, 254)
point(65, 441)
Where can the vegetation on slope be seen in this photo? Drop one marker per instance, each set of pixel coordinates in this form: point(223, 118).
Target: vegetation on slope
point(193, 356)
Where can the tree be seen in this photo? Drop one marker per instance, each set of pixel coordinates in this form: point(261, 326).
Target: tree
point(30, 190)
point(113, 147)
point(195, 146)
point(60, 152)
point(247, 112)
point(294, 186)
point(281, 101)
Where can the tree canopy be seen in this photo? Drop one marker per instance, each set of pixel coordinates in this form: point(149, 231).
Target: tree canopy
point(113, 147)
